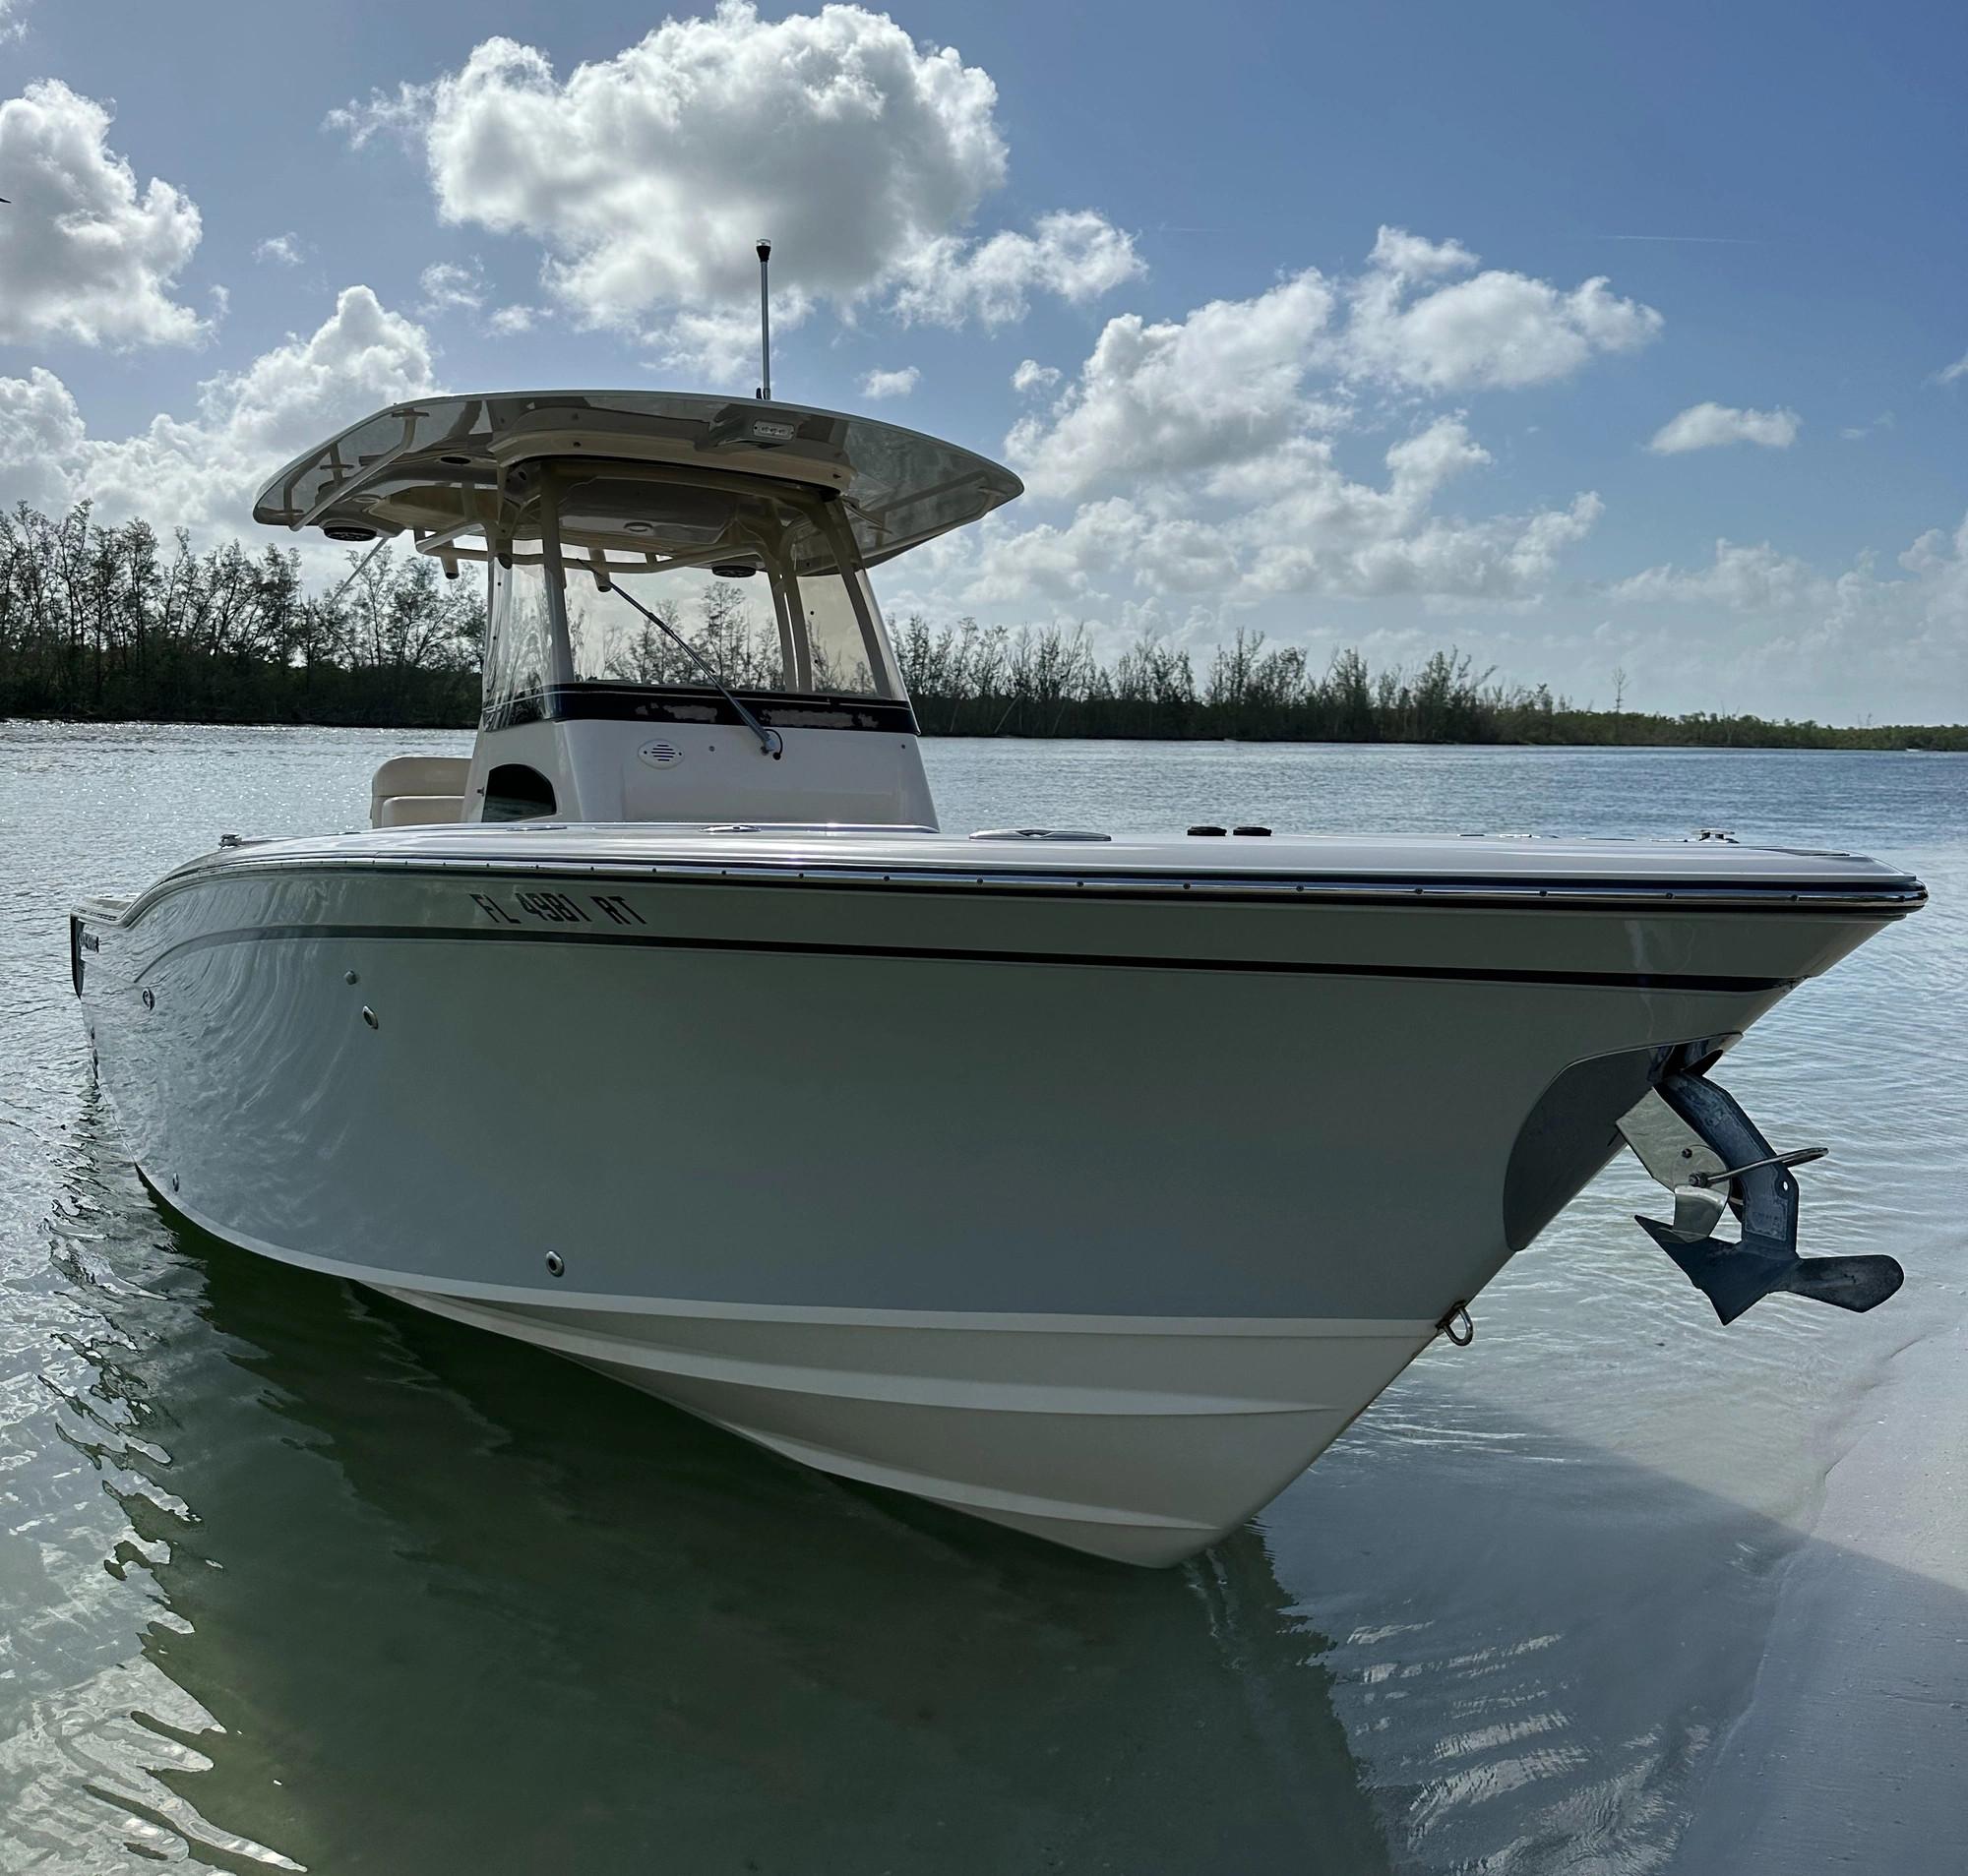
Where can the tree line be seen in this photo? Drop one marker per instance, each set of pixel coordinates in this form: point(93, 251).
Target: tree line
point(111, 623)
point(973, 680)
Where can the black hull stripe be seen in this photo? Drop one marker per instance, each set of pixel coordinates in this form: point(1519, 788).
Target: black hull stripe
point(1084, 960)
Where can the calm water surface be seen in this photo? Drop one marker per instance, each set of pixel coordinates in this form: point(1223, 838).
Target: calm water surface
point(293, 1577)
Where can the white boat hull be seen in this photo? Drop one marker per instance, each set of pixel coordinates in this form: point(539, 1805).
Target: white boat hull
point(1138, 1440)
point(1095, 1218)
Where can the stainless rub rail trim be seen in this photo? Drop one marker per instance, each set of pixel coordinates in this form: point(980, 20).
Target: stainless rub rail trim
point(1886, 901)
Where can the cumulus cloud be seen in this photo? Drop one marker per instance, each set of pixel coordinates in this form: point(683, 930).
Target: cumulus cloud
point(648, 176)
point(1772, 625)
point(1402, 256)
point(1321, 532)
point(1231, 380)
point(84, 253)
point(11, 25)
point(720, 343)
point(1710, 426)
point(1178, 395)
point(1288, 520)
point(202, 472)
point(1201, 456)
point(1066, 563)
point(41, 430)
point(1496, 329)
point(1740, 577)
point(509, 321)
point(891, 384)
point(1077, 255)
point(280, 250)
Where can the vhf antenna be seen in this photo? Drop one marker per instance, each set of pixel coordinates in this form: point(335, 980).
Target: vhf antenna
point(765, 322)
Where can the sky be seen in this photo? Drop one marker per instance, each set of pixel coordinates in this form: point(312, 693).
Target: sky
point(1588, 339)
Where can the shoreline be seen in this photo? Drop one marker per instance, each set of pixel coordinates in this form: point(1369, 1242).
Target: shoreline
point(1949, 738)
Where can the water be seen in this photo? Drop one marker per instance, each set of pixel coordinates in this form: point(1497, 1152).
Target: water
point(293, 1577)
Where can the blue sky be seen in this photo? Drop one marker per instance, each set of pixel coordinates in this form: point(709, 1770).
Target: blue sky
point(1733, 469)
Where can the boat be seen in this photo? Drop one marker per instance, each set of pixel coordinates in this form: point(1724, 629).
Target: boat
point(1088, 1184)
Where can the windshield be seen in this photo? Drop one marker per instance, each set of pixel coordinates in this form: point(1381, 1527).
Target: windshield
point(761, 581)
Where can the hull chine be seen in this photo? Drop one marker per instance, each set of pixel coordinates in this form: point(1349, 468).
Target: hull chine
point(1135, 1439)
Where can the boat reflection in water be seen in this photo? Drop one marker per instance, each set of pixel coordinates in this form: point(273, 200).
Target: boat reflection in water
point(456, 1604)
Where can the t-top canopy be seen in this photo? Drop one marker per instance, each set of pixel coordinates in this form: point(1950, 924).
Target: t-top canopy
point(434, 465)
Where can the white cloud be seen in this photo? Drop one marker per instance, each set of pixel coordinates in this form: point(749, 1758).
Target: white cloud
point(1200, 452)
point(1064, 564)
point(40, 429)
point(447, 286)
point(1325, 533)
point(1710, 426)
point(1287, 520)
point(11, 25)
point(720, 343)
point(202, 472)
point(401, 115)
point(1179, 396)
point(891, 384)
point(281, 250)
point(1407, 256)
point(1031, 378)
point(648, 176)
point(1768, 629)
point(1229, 382)
point(84, 254)
point(1494, 330)
point(1077, 255)
point(1743, 579)
point(1949, 374)
point(511, 320)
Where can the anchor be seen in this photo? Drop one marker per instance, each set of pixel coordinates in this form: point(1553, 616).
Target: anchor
point(1693, 1137)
